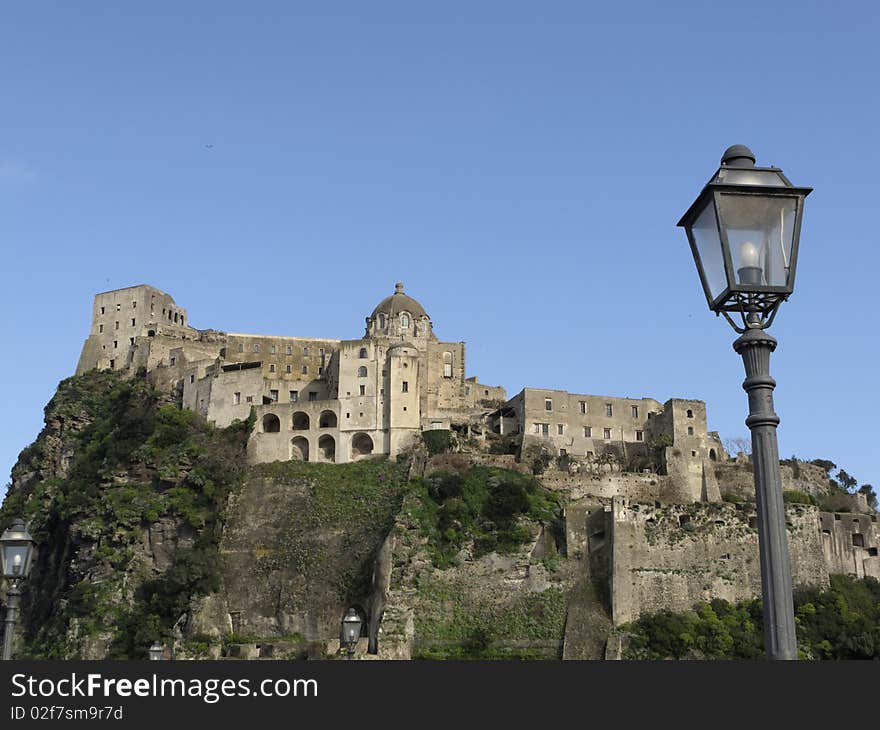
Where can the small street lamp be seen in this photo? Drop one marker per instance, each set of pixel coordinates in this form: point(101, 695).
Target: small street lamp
point(16, 550)
point(351, 631)
point(157, 652)
point(743, 230)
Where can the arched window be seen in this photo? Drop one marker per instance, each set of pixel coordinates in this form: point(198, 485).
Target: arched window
point(381, 321)
point(690, 430)
point(690, 413)
point(362, 372)
point(404, 321)
point(271, 423)
point(362, 353)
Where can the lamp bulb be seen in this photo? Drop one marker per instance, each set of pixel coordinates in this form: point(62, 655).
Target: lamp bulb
point(748, 254)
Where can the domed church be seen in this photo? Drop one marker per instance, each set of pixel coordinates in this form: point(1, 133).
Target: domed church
point(315, 399)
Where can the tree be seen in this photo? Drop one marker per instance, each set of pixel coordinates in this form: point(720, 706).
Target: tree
point(846, 481)
point(739, 444)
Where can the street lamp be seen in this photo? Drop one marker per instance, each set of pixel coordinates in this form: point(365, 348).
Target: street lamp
point(351, 630)
point(743, 229)
point(16, 549)
point(157, 652)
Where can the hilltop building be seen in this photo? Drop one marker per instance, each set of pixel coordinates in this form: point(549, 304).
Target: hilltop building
point(341, 400)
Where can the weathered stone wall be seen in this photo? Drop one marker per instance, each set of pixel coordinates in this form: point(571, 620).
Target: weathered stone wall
point(850, 543)
point(672, 557)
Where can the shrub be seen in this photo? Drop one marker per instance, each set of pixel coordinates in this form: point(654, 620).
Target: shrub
point(439, 441)
point(795, 496)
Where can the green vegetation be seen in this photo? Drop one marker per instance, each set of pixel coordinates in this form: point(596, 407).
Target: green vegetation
point(484, 507)
point(472, 627)
point(438, 441)
point(358, 500)
point(794, 496)
point(842, 622)
point(137, 462)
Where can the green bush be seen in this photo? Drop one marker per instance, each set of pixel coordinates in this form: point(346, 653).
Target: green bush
point(795, 496)
point(439, 441)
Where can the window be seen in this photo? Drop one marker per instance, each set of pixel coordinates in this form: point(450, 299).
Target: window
point(635, 411)
point(113, 364)
point(381, 321)
point(447, 370)
point(609, 410)
point(116, 344)
point(313, 395)
point(858, 540)
point(436, 425)
point(560, 429)
point(305, 370)
point(236, 398)
point(100, 328)
point(294, 396)
point(362, 372)
point(173, 360)
point(640, 436)
point(241, 347)
point(320, 371)
point(256, 347)
point(545, 429)
point(287, 369)
point(249, 399)
point(563, 452)
point(363, 390)
point(132, 322)
point(272, 349)
point(467, 390)
point(117, 325)
point(548, 404)
point(192, 378)
point(321, 352)
point(583, 406)
point(288, 350)
point(588, 432)
point(305, 352)
point(405, 387)
point(690, 430)
point(606, 433)
point(102, 310)
point(404, 321)
point(118, 307)
point(362, 353)
point(537, 428)
point(271, 367)
point(273, 394)
point(690, 413)
point(131, 340)
point(134, 305)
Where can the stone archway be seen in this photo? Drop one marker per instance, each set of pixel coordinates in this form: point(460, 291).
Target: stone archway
point(301, 421)
point(271, 423)
point(361, 446)
point(299, 449)
point(327, 419)
point(327, 448)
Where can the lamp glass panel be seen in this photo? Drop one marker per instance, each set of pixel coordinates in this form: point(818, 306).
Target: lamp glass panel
point(705, 234)
point(760, 231)
point(748, 176)
point(15, 560)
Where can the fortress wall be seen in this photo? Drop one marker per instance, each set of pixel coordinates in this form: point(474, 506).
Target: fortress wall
point(850, 543)
point(675, 556)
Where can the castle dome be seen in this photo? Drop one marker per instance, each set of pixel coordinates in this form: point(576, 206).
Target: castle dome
point(397, 303)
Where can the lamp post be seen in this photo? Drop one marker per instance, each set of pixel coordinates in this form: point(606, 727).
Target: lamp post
point(16, 549)
point(351, 631)
point(743, 230)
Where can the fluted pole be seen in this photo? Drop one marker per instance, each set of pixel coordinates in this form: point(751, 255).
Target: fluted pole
point(12, 596)
point(780, 639)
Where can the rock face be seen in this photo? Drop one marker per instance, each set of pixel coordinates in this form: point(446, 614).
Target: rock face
point(150, 526)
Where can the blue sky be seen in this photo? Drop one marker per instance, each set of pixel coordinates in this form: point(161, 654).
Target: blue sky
point(276, 167)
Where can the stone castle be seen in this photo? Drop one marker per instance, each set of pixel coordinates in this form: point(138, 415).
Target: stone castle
point(663, 537)
point(341, 400)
